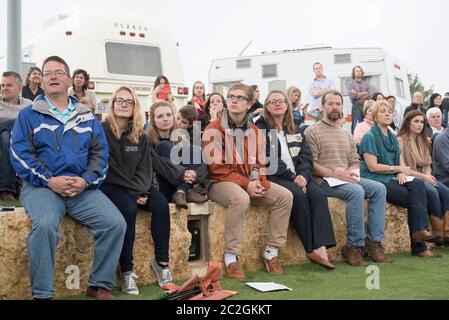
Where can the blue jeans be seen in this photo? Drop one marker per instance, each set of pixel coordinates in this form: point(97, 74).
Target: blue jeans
point(437, 199)
point(7, 173)
point(411, 195)
point(355, 194)
point(91, 208)
point(357, 115)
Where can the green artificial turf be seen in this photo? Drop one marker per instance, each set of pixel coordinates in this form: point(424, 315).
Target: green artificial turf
point(407, 278)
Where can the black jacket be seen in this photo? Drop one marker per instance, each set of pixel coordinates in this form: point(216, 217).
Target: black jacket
point(415, 107)
point(299, 151)
point(131, 165)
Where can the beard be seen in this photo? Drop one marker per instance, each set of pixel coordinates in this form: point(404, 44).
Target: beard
point(334, 116)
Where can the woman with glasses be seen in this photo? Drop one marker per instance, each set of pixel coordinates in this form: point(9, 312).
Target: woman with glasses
point(310, 213)
point(383, 162)
point(33, 84)
point(79, 90)
point(129, 185)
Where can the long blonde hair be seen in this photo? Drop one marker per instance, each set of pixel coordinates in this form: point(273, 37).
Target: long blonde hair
point(152, 132)
point(135, 124)
point(288, 120)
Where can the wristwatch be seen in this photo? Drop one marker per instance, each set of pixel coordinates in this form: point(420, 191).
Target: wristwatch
point(391, 168)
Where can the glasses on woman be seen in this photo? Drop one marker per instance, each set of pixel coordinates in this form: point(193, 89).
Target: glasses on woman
point(121, 101)
point(274, 102)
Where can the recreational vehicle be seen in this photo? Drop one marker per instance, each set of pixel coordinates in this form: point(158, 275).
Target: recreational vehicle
point(281, 69)
point(115, 49)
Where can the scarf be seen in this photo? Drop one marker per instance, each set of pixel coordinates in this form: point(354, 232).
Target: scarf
point(416, 154)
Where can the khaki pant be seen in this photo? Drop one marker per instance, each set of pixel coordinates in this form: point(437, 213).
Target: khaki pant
point(237, 201)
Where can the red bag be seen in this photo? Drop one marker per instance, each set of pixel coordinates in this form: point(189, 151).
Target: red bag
point(207, 289)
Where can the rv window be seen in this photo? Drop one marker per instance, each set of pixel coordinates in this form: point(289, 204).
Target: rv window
point(243, 64)
point(399, 87)
point(374, 83)
point(342, 58)
point(269, 71)
point(131, 59)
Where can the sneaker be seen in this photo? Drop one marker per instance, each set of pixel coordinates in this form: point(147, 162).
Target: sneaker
point(195, 197)
point(179, 198)
point(129, 284)
point(163, 275)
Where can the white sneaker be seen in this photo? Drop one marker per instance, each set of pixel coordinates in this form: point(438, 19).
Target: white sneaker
point(163, 275)
point(129, 283)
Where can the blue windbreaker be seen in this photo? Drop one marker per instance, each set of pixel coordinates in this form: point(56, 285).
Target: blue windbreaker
point(43, 147)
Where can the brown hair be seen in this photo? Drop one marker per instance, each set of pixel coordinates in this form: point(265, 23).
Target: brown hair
point(59, 60)
point(245, 88)
point(152, 132)
point(207, 105)
point(30, 71)
point(188, 113)
point(353, 71)
point(288, 120)
point(331, 93)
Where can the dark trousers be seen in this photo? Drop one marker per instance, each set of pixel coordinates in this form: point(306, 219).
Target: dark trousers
point(310, 215)
point(160, 222)
point(7, 173)
point(357, 115)
point(411, 195)
point(166, 187)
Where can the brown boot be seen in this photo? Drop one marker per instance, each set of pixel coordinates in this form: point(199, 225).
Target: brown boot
point(7, 196)
point(179, 198)
point(195, 197)
point(437, 229)
point(353, 256)
point(424, 235)
point(376, 252)
point(446, 228)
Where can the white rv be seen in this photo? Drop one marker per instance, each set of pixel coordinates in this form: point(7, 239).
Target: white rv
point(281, 69)
point(115, 49)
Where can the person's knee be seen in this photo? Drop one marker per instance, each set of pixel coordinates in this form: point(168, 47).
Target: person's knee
point(240, 200)
point(356, 193)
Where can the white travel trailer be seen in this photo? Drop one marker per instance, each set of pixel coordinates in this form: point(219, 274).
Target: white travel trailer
point(281, 69)
point(115, 49)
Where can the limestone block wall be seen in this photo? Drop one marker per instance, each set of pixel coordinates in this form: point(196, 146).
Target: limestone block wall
point(75, 246)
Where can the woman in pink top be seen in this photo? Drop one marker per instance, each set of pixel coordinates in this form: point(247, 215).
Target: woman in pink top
point(367, 124)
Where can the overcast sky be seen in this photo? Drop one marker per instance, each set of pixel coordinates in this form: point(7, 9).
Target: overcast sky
point(414, 31)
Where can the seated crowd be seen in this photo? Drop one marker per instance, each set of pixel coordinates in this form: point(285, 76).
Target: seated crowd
point(248, 152)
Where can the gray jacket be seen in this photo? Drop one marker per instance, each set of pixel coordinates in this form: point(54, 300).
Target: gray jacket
point(441, 157)
point(11, 110)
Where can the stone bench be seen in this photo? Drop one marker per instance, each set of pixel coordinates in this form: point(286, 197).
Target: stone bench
point(75, 246)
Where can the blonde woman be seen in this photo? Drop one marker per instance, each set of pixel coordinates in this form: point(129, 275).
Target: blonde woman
point(383, 162)
point(129, 185)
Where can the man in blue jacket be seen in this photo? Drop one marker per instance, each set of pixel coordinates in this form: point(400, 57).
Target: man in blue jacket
point(60, 151)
